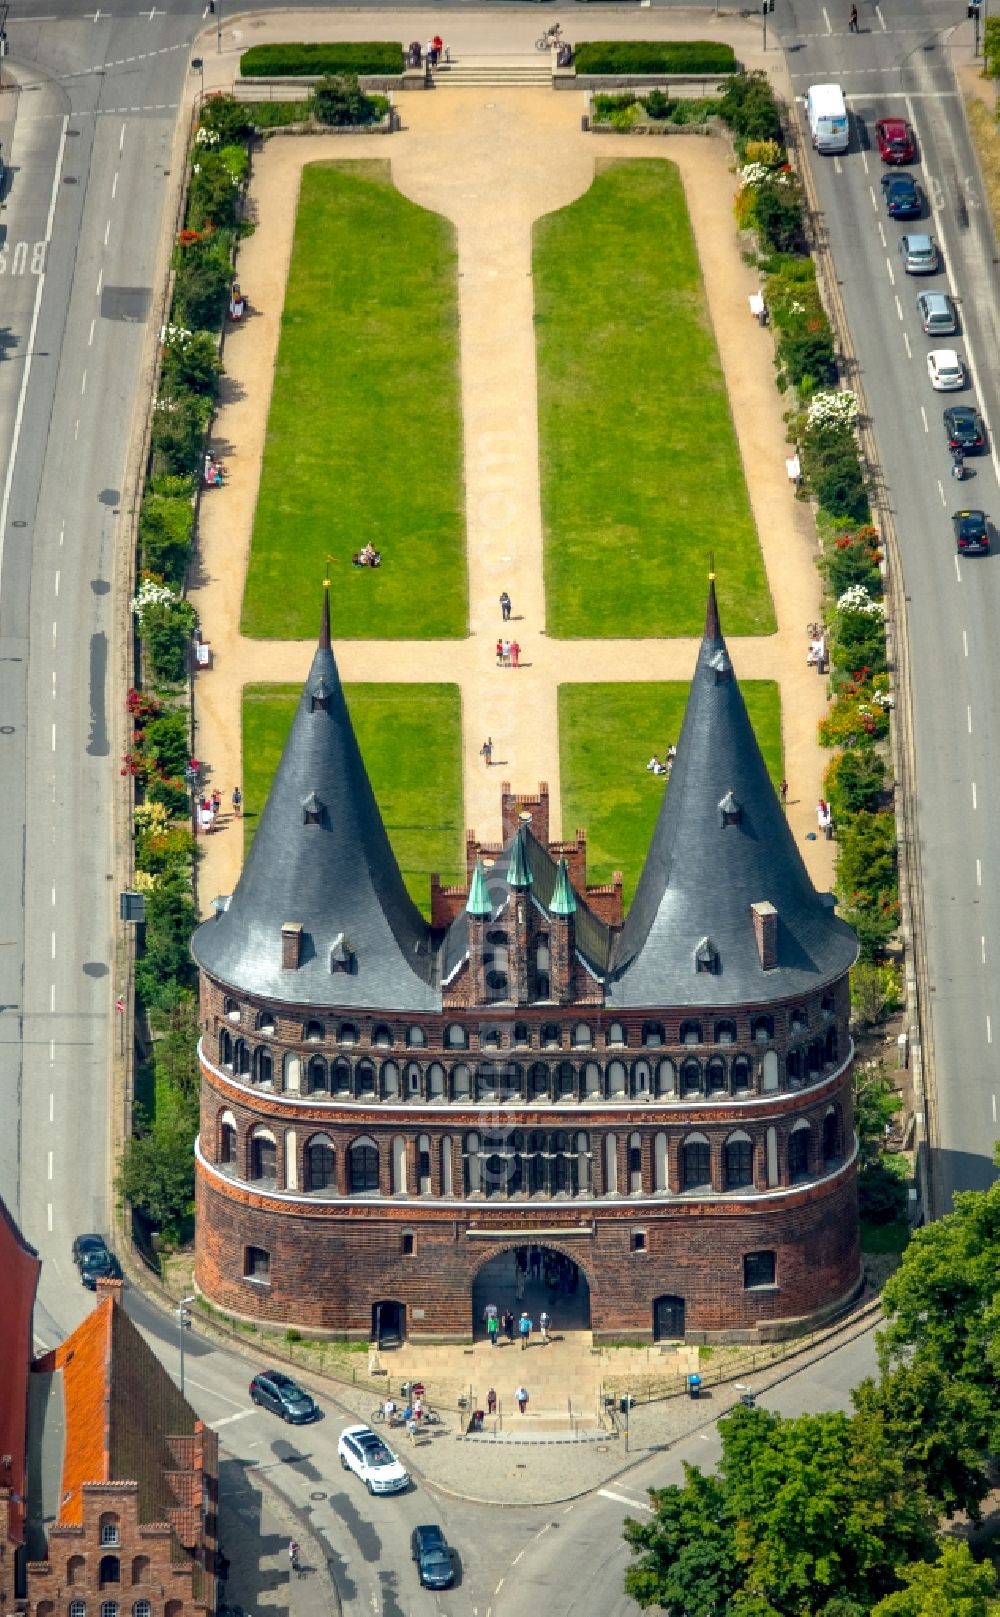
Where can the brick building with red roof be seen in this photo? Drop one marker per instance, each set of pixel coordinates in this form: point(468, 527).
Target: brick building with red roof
point(19, 1266)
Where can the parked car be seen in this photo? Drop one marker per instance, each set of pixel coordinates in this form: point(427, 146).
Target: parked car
point(938, 314)
point(895, 140)
point(972, 533)
point(95, 1261)
point(964, 429)
point(432, 1553)
point(902, 196)
point(283, 1396)
point(945, 370)
point(362, 1451)
point(919, 254)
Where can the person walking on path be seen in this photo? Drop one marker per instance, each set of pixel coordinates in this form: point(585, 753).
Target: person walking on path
point(237, 801)
point(293, 1556)
point(491, 1401)
point(524, 1328)
point(852, 26)
point(507, 1322)
point(492, 1326)
point(543, 1325)
point(505, 607)
point(486, 751)
point(515, 652)
point(216, 802)
point(522, 1399)
point(499, 653)
point(783, 793)
point(505, 653)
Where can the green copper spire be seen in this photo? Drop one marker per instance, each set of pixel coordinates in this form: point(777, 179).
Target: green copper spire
point(478, 901)
point(563, 897)
point(518, 874)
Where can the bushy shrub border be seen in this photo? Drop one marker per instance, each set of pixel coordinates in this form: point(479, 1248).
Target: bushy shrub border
point(625, 109)
point(317, 60)
point(608, 56)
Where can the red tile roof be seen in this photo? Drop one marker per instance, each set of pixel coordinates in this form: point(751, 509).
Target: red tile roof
point(19, 1266)
point(85, 1361)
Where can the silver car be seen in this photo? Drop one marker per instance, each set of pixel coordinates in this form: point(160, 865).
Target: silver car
point(919, 255)
point(938, 314)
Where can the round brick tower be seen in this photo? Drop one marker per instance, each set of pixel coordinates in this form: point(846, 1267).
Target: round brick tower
point(651, 1111)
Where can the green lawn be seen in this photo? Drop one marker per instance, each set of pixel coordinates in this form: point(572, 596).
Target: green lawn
point(607, 733)
point(364, 436)
point(641, 472)
point(411, 740)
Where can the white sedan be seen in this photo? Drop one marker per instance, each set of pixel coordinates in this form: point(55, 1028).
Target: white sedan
point(945, 370)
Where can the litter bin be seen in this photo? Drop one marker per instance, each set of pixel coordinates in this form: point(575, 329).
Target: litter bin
point(694, 1386)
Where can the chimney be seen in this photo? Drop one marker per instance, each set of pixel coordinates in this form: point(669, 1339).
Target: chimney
point(291, 946)
point(109, 1288)
point(765, 927)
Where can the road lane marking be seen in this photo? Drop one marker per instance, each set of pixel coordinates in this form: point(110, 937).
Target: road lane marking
point(202, 1388)
point(899, 306)
point(55, 627)
point(965, 642)
point(881, 233)
point(50, 1165)
point(923, 417)
point(864, 161)
point(878, 13)
point(100, 281)
point(53, 738)
point(517, 1557)
point(52, 996)
point(892, 278)
point(107, 232)
point(53, 945)
point(39, 288)
point(906, 345)
point(83, 384)
point(871, 193)
point(837, 166)
point(968, 714)
point(227, 1420)
point(989, 1031)
point(57, 582)
point(982, 949)
point(979, 873)
point(52, 1108)
point(121, 141)
point(973, 794)
point(48, 1215)
point(114, 187)
point(90, 339)
point(826, 19)
point(623, 1499)
point(53, 884)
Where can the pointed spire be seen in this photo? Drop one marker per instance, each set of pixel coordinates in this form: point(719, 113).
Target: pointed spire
point(713, 630)
point(518, 871)
point(324, 627)
point(479, 901)
point(563, 897)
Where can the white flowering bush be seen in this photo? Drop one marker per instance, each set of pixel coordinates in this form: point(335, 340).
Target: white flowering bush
point(754, 174)
point(152, 594)
point(207, 137)
point(175, 336)
point(857, 599)
point(832, 408)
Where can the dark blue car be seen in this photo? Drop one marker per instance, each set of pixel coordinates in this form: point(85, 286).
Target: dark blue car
point(902, 196)
point(430, 1550)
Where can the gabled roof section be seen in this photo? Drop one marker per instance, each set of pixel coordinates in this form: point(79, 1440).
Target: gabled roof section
point(721, 844)
point(321, 859)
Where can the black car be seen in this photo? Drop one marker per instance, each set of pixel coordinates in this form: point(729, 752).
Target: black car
point(972, 533)
point(902, 196)
point(430, 1549)
point(94, 1260)
point(283, 1396)
point(964, 428)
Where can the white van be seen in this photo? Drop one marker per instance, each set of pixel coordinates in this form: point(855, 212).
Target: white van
point(827, 114)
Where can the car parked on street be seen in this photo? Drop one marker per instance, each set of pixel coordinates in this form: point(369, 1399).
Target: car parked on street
point(895, 140)
point(432, 1553)
point(938, 314)
point(283, 1396)
point(972, 533)
point(945, 370)
point(362, 1451)
point(964, 429)
point(95, 1261)
point(903, 199)
point(919, 254)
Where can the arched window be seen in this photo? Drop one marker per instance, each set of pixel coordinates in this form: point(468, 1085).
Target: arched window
point(652, 1034)
point(362, 1167)
point(828, 1004)
point(78, 1608)
point(109, 1570)
point(263, 1156)
point(616, 1033)
point(797, 1021)
point(487, 1081)
point(316, 1075)
point(340, 1076)
point(319, 1162)
point(389, 1077)
point(762, 1029)
point(265, 1022)
point(347, 1034)
point(794, 1066)
point(617, 1079)
point(455, 1037)
point(424, 1164)
point(830, 1046)
point(741, 1074)
point(109, 1525)
point(511, 1080)
point(814, 1057)
point(770, 1080)
point(583, 1164)
point(416, 1038)
point(314, 1032)
point(696, 1163)
point(496, 966)
point(537, 1164)
point(565, 1076)
point(461, 1082)
point(715, 1075)
point(45, 1608)
point(666, 1078)
point(141, 1608)
point(611, 1165)
point(641, 1079)
point(522, 1035)
point(634, 1165)
point(241, 1057)
point(538, 1081)
point(725, 1032)
point(109, 1608)
point(76, 1568)
point(140, 1568)
point(263, 1065)
point(690, 1033)
point(364, 1078)
point(382, 1037)
point(591, 1079)
point(225, 1048)
point(690, 1077)
point(411, 1080)
point(399, 1185)
point(833, 1148)
point(550, 1039)
point(489, 1038)
point(227, 1140)
point(447, 1169)
point(471, 1165)
point(583, 1036)
point(542, 961)
point(660, 1183)
point(798, 1153)
point(231, 1010)
point(435, 1081)
point(737, 1162)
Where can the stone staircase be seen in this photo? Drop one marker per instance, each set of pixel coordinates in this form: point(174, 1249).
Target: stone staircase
point(496, 72)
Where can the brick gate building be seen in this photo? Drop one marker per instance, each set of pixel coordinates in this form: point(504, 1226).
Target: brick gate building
point(662, 1097)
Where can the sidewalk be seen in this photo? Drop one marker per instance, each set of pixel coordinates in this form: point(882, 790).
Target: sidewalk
point(256, 1525)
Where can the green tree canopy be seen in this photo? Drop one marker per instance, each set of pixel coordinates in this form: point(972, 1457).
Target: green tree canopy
point(953, 1586)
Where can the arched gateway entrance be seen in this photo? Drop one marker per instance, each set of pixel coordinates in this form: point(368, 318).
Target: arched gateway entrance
point(534, 1277)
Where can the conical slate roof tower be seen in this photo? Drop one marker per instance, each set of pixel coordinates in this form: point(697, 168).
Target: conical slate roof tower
point(321, 892)
point(725, 912)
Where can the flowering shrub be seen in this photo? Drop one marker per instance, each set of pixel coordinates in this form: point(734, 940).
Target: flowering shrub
point(859, 714)
point(857, 599)
point(151, 594)
point(832, 409)
point(766, 152)
point(853, 558)
point(754, 174)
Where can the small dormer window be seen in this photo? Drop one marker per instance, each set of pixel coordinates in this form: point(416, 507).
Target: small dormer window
point(550, 1036)
point(455, 1036)
point(265, 1022)
point(652, 1034)
point(232, 1010)
point(522, 1035)
point(690, 1033)
point(721, 667)
point(382, 1037)
point(347, 1033)
point(706, 957)
point(314, 1033)
point(312, 810)
point(416, 1038)
point(319, 696)
point(342, 956)
point(730, 810)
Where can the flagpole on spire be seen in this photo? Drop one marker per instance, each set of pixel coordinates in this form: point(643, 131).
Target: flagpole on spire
point(324, 628)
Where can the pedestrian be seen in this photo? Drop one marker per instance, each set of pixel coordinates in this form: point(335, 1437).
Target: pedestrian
point(783, 793)
point(216, 802)
point(492, 1326)
point(411, 1429)
point(418, 1409)
point(821, 813)
point(515, 652)
point(491, 1401)
point(430, 53)
point(524, 1328)
point(505, 653)
point(543, 1325)
point(508, 1324)
point(206, 819)
point(852, 26)
point(522, 1398)
point(505, 607)
point(293, 1555)
point(499, 653)
point(237, 801)
point(486, 751)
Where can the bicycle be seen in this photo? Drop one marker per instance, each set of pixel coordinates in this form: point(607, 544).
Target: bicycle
point(550, 39)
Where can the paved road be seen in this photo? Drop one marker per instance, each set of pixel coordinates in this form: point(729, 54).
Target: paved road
point(904, 69)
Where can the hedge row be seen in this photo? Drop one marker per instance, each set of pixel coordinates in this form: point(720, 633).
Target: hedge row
point(319, 60)
point(654, 56)
point(625, 110)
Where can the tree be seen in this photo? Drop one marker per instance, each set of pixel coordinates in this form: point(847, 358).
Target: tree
point(938, 1426)
point(156, 1174)
point(166, 969)
point(686, 1556)
point(340, 100)
point(953, 1586)
point(876, 1102)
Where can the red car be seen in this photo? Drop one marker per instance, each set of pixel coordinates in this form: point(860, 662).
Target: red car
point(895, 140)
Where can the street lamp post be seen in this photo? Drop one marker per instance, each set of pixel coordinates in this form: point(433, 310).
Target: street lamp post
point(198, 66)
point(183, 1321)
